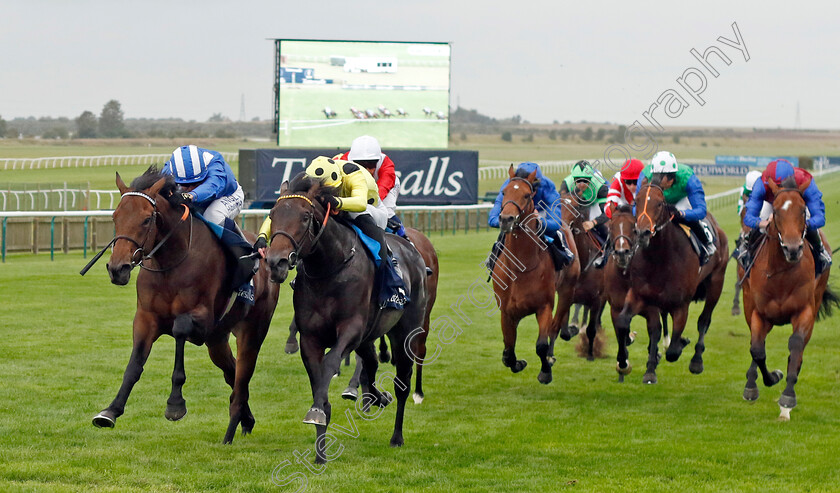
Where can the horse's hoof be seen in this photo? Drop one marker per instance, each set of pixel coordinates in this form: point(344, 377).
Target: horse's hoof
point(666, 341)
point(104, 420)
point(649, 378)
point(397, 441)
point(787, 401)
point(292, 346)
point(350, 393)
point(544, 377)
point(315, 416)
point(590, 357)
point(696, 366)
point(776, 377)
point(624, 371)
point(631, 338)
point(550, 360)
point(418, 398)
point(384, 357)
point(175, 413)
point(566, 333)
point(736, 311)
point(673, 356)
point(750, 394)
point(519, 366)
point(784, 413)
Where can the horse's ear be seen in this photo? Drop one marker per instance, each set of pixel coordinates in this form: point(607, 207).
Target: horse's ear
point(511, 171)
point(121, 184)
point(284, 187)
point(532, 176)
point(154, 189)
point(804, 186)
point(774, 188)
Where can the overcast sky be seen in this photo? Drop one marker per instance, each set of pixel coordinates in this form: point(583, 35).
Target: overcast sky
point(543, 60)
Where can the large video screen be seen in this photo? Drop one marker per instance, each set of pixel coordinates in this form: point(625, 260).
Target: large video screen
point(330, 92)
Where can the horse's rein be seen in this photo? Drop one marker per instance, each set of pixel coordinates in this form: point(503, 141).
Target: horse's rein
point(145, 256)
point(518, 220)
point(294, 255)
point(654, 228)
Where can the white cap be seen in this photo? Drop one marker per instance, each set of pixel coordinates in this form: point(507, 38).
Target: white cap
point(663, 162)
point(752, 176)
point(364, 148)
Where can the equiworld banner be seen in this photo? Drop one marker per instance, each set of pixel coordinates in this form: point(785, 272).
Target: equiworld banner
point(427, 176)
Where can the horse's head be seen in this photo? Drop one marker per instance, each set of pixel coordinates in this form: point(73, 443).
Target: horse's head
point(789, 217)
point(573, 212)
point(297, 220)
point(652, 212)
point(622, 235)
point(517, 199)
point(136, 221)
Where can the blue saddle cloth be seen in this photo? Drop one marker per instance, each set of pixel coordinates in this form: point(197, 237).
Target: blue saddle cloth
point(234, 242)
point(388, 285)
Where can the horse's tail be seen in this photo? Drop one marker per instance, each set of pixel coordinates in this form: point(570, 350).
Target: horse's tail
point(830, 300)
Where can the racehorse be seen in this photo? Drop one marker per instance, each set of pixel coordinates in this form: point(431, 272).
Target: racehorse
point(332, 300)
point(622, 241)
point(665, 273)
point(781, 289)
point(430, 259)
point(183, 288)
point(589, 291)
point(524, 278)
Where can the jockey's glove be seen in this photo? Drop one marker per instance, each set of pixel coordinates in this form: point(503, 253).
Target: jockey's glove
point(334, 202)
point(260, 243)
point(187, 197)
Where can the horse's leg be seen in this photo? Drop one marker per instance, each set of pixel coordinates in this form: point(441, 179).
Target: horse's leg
point(592, 328)
point(654, 328)
point(312, 355)
point(561, 317)
point(384, 355)
point(145, 333)
point(352, 391)
point(759, 328)
point(666, 339)
point(371, 395)
point(713, 291)
point(418, 349)
point(222, 357)
point(250, 336)
point(575, 322)
point(176, 406)
point(736, 309)
point(751, 389)
point(621, 322)
point(803, 325)
point(509, 325)
point(544, 321)
point(678, 342)
point(402, 384)
point(291, 343)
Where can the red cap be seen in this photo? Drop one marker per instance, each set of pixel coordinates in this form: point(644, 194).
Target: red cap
point(632, 169)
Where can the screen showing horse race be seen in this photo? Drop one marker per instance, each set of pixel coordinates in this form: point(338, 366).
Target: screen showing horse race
point(329, 92)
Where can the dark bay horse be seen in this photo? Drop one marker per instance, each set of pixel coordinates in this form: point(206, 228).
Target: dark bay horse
point(782, 289)
point(183, 291)
point(589, 290)
point(524, 278)
point(617, 284)
point(332, 301)
point(665, 273)
point(430, 259)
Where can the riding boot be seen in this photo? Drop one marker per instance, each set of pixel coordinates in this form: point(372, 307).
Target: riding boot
point(822, 257)
point(747, 246)
point(395, 226)
point(564, 247)
point(603, 255)
point(498, 246)
point(601, 234)
point(391, 286)
point(707, 243)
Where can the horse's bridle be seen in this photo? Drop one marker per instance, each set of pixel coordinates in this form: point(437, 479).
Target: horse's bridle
point(776, 226)
point(517, 221)
point(140, 249)
point(612, 242)
point(294, 255)
point(654, 227)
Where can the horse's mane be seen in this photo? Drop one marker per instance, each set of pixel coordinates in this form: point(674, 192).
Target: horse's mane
point(303, 183)
point(789, 183)
point(625, 208)
point(150, 177)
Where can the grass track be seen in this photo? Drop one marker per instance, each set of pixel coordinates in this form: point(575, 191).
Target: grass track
point(481, 428)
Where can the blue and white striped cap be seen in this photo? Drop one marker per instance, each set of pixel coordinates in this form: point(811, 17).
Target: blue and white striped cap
point(188, 164)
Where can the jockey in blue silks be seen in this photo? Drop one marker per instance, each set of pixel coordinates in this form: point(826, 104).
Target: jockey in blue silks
point(548, 203)
point(778, 171)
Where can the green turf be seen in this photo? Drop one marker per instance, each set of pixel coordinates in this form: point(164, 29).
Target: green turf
point(481, 428)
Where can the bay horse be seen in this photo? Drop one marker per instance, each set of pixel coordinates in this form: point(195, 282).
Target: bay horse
point(782, 289)
point(617, 283)
point(524, 279)
point(430, 259)
point(182, 291)
point(589, 290)
point(665, 273)
point(332, 300)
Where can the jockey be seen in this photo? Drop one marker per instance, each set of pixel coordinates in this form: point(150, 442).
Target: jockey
point(358, 196)
point(207, 182)
point(623, 187)
point(365, 151)
point(683, 190)
point(777, 171)
point(590, 188)
point(547, 202)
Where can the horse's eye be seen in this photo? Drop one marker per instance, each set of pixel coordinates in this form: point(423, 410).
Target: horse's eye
point(306, 217)
point(147, 221)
